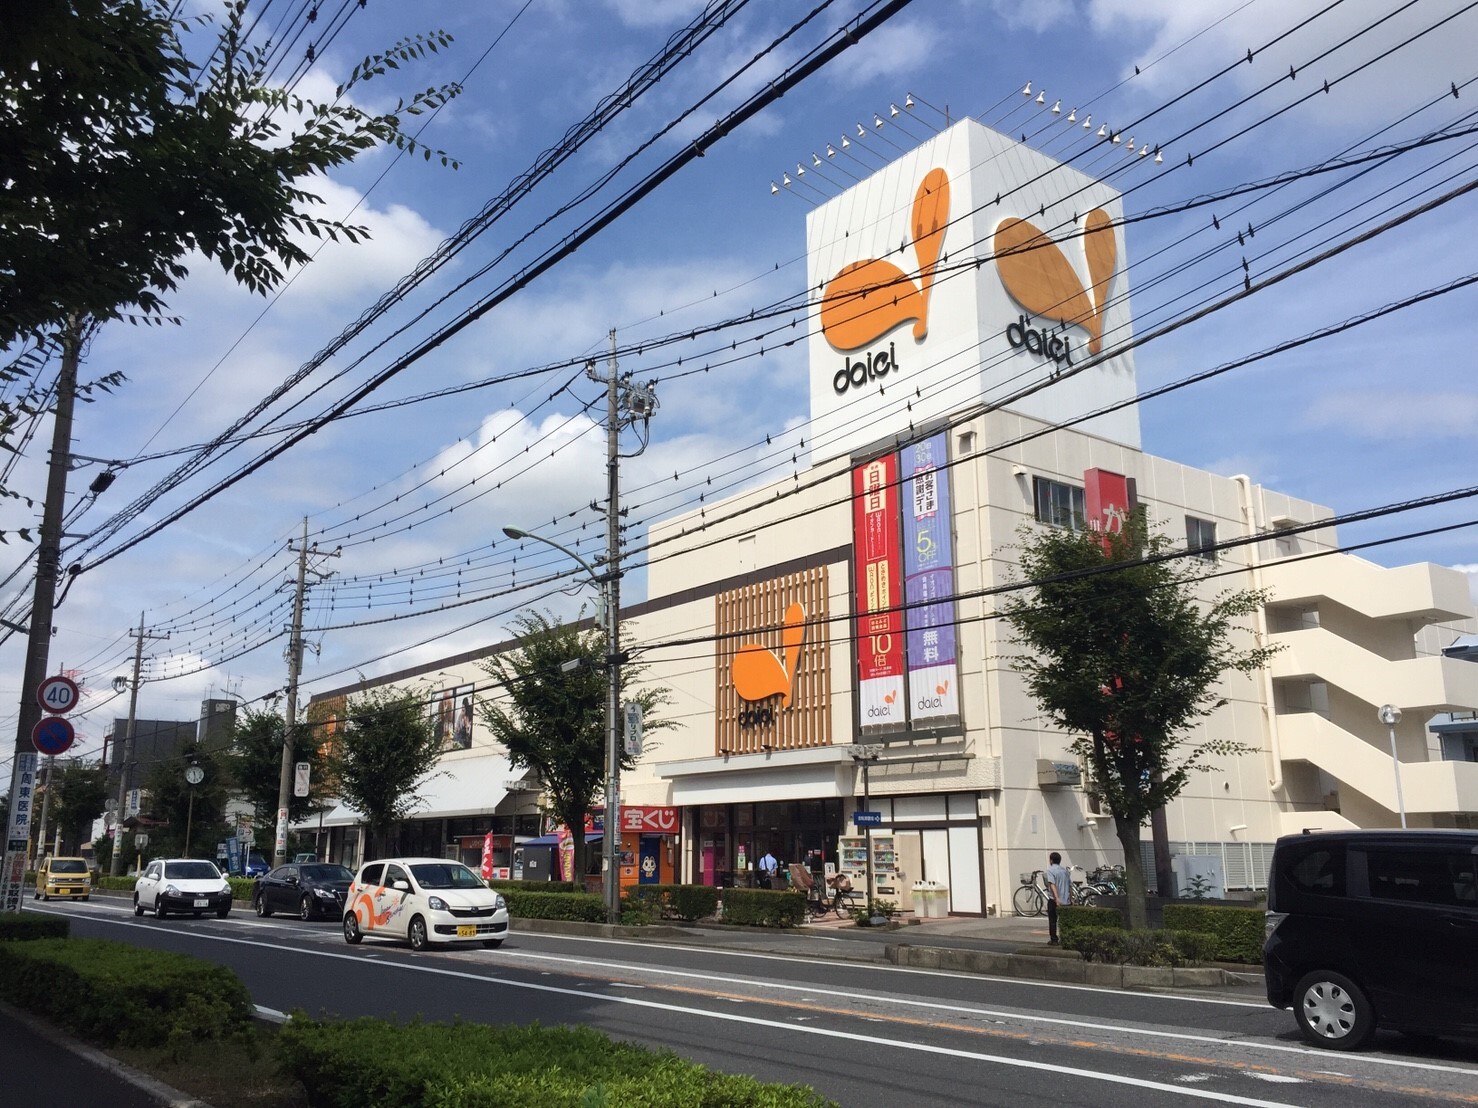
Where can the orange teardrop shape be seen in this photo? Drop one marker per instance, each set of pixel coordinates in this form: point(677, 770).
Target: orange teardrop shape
point(1039, 277)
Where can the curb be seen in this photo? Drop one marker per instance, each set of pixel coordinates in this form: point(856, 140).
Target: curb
point(1061, 967)
point(164, 1094)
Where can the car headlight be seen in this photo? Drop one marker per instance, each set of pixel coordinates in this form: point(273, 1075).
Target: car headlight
point(499, 903)
point(171, 890)
point(436, 904)
point(225, 886)
point(327, 894)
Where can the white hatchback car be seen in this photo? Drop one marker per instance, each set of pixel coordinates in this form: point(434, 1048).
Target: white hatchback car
point(426, 901)
point(181, 885)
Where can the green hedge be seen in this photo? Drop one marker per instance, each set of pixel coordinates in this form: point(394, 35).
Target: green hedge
point(580, 907)
point(682, 902)
point(1074, 918)
point(533, 886)
point(16, 928)
point(1141, 948)
point(468, 1065)
point(764, 907)
point(112, 993)
point(1239, 932)
point(241, 887)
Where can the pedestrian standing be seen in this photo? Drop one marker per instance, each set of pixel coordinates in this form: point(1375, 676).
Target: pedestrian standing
point(1059, 892)
point(767, 867)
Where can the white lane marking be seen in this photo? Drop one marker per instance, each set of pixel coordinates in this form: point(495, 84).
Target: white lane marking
point(505, 954)
point(1277, 1078)
point(908, 970)
point(1194, 1078)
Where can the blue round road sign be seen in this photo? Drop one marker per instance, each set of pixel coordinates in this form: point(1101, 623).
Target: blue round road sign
point(53, 735)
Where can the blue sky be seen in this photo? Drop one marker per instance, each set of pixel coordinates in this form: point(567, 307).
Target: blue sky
point(1379, 415)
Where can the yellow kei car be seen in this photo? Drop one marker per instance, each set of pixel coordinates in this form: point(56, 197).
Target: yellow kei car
point(68, 877)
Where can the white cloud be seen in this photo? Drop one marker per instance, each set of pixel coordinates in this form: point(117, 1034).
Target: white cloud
point(1397, 415)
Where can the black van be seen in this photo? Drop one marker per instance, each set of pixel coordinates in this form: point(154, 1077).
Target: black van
point(1370, 928)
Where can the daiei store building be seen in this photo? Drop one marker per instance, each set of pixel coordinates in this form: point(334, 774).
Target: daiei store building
point(968, 303)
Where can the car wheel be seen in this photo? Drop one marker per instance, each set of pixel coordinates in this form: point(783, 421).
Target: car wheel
point(222, 913)
point(138, 909)
point(492, 944)
point(87, 898)
point(1333, 1011)
point(262, 909)
point(305, 908)
point(351, 928)
point(420, 940)
point(159, 912)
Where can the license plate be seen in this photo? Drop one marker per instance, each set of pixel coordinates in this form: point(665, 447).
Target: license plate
point(202, 903)
point(467, 931)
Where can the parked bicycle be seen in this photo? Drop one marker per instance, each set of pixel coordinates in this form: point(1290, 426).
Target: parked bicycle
point(1030, 898)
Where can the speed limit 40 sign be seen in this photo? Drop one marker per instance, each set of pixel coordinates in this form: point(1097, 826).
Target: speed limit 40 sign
point(57, 695)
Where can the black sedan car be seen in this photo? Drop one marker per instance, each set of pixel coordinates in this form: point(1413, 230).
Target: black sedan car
point(309, 890)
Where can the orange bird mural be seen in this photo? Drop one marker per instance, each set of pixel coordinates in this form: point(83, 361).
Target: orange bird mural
point(1040, 278)
point(760, 673)
point(867, 299)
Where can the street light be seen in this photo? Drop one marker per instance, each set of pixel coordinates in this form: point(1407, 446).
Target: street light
point(1390, 715)
point(865, 756)
point(606, 582)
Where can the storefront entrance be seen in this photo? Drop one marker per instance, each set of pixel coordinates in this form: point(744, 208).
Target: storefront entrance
point(730, 838)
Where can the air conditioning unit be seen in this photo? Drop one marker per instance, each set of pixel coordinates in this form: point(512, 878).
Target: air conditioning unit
point(1051, 774)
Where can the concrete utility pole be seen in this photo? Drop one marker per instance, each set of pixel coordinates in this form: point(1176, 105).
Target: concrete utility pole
point(115, 864)
point(294, 671)
point(626, 403)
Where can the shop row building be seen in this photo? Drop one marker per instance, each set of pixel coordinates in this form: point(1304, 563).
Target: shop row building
point(841, 681)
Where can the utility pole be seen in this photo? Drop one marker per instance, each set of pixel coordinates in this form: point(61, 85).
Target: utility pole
point(115, 864)
point(38, 640)
point(625, 403)
point(294, 671)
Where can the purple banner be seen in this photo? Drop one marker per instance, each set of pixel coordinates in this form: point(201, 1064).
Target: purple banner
point(929, 581)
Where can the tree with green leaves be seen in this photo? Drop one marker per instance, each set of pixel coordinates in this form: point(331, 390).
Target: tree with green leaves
point(80, 793)
point(123, 155)
point(550, 715)
point(177, 810)
point(256, 766)
point(1120, 653)
point(386, 751)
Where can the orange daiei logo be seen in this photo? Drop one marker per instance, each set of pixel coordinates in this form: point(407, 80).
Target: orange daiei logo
point(1039, 277)
point(759, 673)
point(867, 299)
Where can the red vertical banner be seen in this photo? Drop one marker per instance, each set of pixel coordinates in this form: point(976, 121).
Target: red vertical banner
point(487, 856)
point(1108, 498)
point(877, 554)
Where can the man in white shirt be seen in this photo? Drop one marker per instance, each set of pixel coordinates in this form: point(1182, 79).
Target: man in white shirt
point(1059, 892)
point(767, 867)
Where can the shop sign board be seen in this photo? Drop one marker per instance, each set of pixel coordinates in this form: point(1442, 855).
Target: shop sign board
point(875, 546)
point(929, 583)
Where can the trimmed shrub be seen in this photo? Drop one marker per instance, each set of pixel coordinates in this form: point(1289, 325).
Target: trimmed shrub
point(242, 887)
point(117, 884)
point(578, 907)
point(465, 1065)
point(1116, 946)
point(115, 994)
point(1074, 918)
point(1239, 932)
point(21, 928)
point(532, 886)
point(682, 902)
point(764, 907)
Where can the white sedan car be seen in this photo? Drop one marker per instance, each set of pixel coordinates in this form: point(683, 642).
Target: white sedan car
point(181, 885)
point(426, 901)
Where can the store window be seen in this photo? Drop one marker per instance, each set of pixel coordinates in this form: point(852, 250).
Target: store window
point(1200, 537)
point(1058, 504)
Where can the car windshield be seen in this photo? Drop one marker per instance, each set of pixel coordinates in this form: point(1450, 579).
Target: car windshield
point(69, 865)
point(446, 875)
point(327, 873)
point(191, 871)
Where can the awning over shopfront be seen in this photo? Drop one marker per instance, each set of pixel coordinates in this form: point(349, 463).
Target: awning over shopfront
point(787, 775)
point(465, 787)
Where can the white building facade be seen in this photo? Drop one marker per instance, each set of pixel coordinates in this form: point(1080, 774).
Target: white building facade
point(832, 641)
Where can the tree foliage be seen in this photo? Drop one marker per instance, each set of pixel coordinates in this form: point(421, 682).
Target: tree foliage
point(176, 808)
point(1120, 653)
point(551, 717)
point(80, 793)
point(123, 155)
point(256, 765)
point(385, 753)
